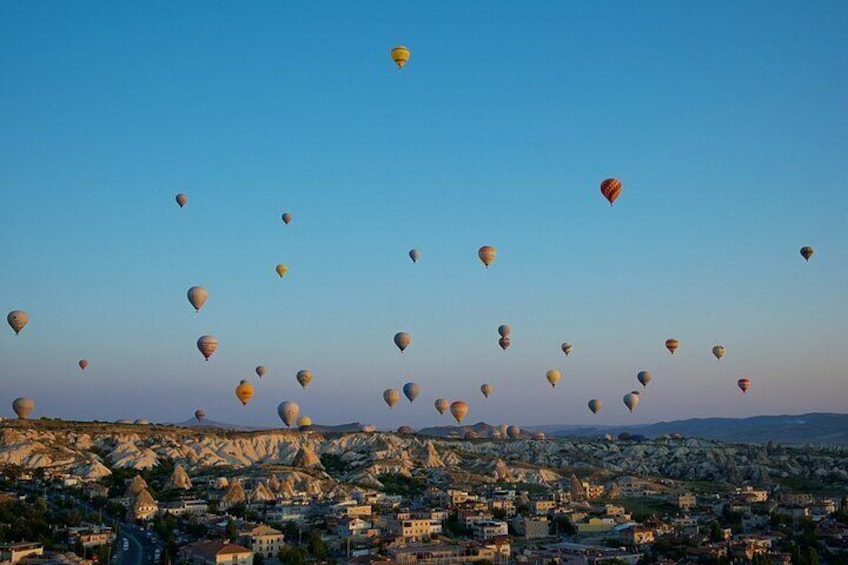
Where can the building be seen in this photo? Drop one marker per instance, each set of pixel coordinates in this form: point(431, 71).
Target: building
point(488, 529)
point(186, 507)
point(351, 527)
point(91, 536)
point(209, 552)
point(592, 491)
point(144, 507)
point(531, 528)
point(686, 501)
point(542, 507)
point(442, 554)
point(415, 529)
point(261, 539)
point(14, 552)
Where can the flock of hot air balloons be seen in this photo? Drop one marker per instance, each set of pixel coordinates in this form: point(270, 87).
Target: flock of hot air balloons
point(288, 411)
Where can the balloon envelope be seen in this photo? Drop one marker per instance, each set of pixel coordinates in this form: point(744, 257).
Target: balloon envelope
point(631, 400)
point(487, 389)
point(288, 412)
point(281, 270)
point(244, 392)
point(400, 55)
point(807, 252)
point(414, 254)
point(22, 407)
point(514, 432)
point(718, 351)
point(207, 345)
point(402, 340)
point(504, 330)
point(744, 385)
point(594, 405)
point(304, 421)
point(553, 377)
point(17, 319)
point(260, 371)
point(199, 415)
point(566, 348)
point(287, 218)
point(671, 344)
point(404, 430)
point(459, 409)
point(181, 199)
point(391, 396)
point(487, 254)
point(504, 342)
point(644, 377)
point(83, 364)
point(411, 390)
point(304, 377)
point(441, 405)
point(611, 189)
point(197, 296)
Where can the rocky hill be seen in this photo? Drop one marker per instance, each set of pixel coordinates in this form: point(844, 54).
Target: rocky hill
point(93, 450)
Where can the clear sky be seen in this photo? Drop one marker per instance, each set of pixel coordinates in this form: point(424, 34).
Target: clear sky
point(725, 121)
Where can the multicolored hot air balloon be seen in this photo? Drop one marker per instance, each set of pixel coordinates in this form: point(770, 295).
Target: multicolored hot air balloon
point(207, 345)
point(566, 348)
point(594, 405)
point(197, 296)
point(487, 254)
point(288, 412)
point(22, 407)
point(611, 189)
point(631, 401)
point(181, 199)
point(411, 390)
point(304, 377)
point(744, 385)
point(402, 340)
point(505, 342)
point(671, 344)
point(718, 351)
point(807, 252)
point(199, 415)
point(553, 377)
point(504, 330)
point(281, 270)
point(260, 371)
point(441, 405)
point(487, 389)
point(644, 377)
point(83, 364)
point(391, 397)
point(459, 409)
point(244, 392)
point(414, 254)
point(513, 432)
point(17, 319)
point(400, 55)
point(287, 218)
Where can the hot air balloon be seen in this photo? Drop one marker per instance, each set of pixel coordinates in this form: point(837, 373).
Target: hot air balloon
point(304, 377)
point(718, 351)
point(636, 392)
point(22, 407)
point(441, 405)
point(553, 377)
point(207, 345)
point(744, 385)
point(502, 430)
point(181, 199)
point(411, 390)
point(504, 342)
point(304, 421)
point(504, 330)
point(566, 348)
point(400, 55)
point(244, 392)
point(402, 340)
point(807, 252)
point(391, 396)
point(83, 364)
point(514, 432)
point(17, 320)
point(459, 409)
point(281, 270)
point(631, 400)
point(538, 435)
point(404, 430)
point(288, 412)
point(197, 296)
point(611, 189)
point(594, 405)
point(287, 218)
point(671, 344)
point(487, 389)
point(487, 254)
point(644, 377)
point(199, 415)
point(414, 254)
point(260, 371)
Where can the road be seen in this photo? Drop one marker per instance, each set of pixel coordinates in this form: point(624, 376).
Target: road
point(141, 549)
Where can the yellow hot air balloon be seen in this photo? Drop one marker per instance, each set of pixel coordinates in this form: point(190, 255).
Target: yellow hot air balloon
point(207, 345)
point(459, 409)
point(553, 377)
point(487, 254)
point(304, 421)
point(631, 400)
point(260, 371)
point(718, 351)
point(181, 199)
point(400, 55)
point(288, 412)
point(244, 392)
point(197, 296)
point(441, 405)
point(391, 396)
point(594, 405)
point(644, 377)
point(17, 319)
point(22, 407)
point(287, 218)
point(402, 340)
point(304, 377)
point(281, 270)
point(487, 389)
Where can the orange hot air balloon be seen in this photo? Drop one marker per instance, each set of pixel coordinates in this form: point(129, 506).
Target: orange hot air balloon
point(83, 364)
point(487, 254)
point(504, 342)
point(181, 199)
point(459, 409)
point(207, 345)
point(244, 392)
point(671, 344)
point(400, 55)
point(611, 189)
point(744, 385)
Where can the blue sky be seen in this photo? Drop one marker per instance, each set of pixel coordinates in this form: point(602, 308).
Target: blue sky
point(725, 123)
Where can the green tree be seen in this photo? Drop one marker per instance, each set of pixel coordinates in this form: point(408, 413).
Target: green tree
point(232, 531)
point(315, 544)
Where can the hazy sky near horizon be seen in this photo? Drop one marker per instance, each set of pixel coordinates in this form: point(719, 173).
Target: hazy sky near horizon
point(725, 121)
